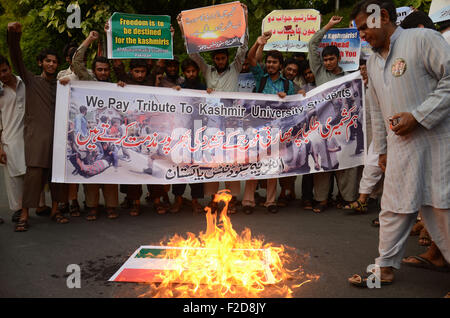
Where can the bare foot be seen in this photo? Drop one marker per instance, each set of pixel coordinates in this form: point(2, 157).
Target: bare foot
point(433, 255)
point(417, 228)
point(387, 273)
point(386, 278)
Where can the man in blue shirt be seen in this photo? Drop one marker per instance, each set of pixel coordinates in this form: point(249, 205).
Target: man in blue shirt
point(269, 82)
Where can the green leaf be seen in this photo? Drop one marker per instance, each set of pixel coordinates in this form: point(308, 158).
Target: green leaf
point(259, 13)
point(61, 28)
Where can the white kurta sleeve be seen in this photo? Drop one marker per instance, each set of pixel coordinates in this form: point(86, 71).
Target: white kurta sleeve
point(436, 60)
point(378, 124)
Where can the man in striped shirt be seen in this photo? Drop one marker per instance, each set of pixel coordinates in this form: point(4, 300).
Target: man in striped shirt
point(409, 85)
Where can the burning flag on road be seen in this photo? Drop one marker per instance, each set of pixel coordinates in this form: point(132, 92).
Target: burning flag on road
point(148, 265)
point(218, 263)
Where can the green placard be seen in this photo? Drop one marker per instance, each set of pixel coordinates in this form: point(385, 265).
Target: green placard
point(139, 36)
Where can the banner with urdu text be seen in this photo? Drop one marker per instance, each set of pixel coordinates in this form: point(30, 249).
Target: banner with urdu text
point(291, 29)
point(215, 27)
point(151, 135)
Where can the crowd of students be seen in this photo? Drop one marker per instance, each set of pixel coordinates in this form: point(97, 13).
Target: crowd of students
point(27, 106)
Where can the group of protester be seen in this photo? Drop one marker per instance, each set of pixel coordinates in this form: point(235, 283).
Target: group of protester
point(407, 117)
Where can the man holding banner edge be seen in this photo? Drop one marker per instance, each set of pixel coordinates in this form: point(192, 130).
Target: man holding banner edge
point(325, 71)
point(224, 77)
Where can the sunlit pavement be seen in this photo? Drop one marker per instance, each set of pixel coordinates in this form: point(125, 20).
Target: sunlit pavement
point(334, 245)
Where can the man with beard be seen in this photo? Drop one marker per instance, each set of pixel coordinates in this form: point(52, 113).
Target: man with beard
point(190, 71)
point(138, 75)
point(409, 80)
point(158, 193)
point(172, 77)
point(271, 82)
point(223, 77)
point(38, 129)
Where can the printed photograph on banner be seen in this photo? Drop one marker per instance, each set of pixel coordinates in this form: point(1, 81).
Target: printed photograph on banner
point(366, 50)
point(349, 44)
point(136, 36)
point(439, 10)
point(291, 29)
point(147, 135)
point(214, 27)
point(246, 82)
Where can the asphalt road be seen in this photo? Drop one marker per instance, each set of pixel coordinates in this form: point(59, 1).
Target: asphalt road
point(333, 245)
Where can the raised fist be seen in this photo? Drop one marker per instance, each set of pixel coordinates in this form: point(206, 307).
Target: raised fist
point(335, 20)
point(267, 34)
point(93, 35)
point(262, 40)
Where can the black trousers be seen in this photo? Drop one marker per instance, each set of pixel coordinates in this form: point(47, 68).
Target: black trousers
point(196, 190)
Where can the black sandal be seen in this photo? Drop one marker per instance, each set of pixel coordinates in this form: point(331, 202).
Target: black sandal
point(307, 205)
point(16, 216)
point(75, 210)
point(357, 205)
point(161, 208)
point(112, 214)
point(135, 209)
point(21, 226)
point(282, 202)
point(44, 212)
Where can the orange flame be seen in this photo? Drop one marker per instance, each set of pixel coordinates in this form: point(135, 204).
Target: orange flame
point(221, 263)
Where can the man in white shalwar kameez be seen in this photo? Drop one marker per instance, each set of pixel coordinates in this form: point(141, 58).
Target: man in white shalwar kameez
point(409, 82)
point(12, 148)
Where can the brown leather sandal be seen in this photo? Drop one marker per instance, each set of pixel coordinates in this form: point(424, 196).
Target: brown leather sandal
point(112, 213)
point(92, 215)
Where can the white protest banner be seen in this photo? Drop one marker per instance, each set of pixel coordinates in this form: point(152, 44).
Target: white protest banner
point(349, 44)
point(439, 10)
point(153, 135)
point(291, 29)
point(215, 27)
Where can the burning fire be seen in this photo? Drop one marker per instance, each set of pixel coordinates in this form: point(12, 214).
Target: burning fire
point(221, 263)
